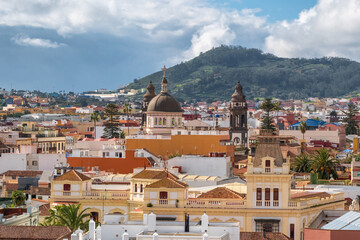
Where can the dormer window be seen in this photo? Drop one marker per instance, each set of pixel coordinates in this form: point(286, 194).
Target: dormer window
point(267, 166)
point(67, 187)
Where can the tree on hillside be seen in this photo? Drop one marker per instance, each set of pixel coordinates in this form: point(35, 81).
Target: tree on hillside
point(69, 215)
point(324, 164)
point(303, 128)
point(127, 110)
point(112, 129)
point(18, 198)
point(351, 126)
point(94, 117)
point(267, 120)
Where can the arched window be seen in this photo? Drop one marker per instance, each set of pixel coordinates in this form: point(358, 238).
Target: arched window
point(164, 121)
point(135, 190)
point(155, 121)
point(160, 121)
point(267, 166)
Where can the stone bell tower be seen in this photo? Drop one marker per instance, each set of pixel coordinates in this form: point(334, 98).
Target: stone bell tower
point(238, 117)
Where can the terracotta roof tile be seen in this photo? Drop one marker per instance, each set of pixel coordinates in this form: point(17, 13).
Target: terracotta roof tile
point(221, 192)
point(260, 236)
point(17, 173)
point(154, 174)
point(309, 195)
point(34, 232)
point(44, 210)
point(167, 183)
point(72, 175)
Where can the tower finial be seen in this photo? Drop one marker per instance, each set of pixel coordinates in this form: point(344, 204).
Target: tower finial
point(164, 69)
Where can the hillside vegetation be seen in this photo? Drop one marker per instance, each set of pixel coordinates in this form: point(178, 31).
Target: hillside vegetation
point(213, 75)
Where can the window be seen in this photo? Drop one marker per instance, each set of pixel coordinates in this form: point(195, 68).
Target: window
point(258, 194)
point(267, 166)
point(141, 188)
point(163, 195)
point(155, 121)
point(276, 194)
point(34, 163)
point(164, 121)
point(267, 225)
point(118, 154)
point(135, 190)
point(160, 121)
point(179, 121)
point(292, 231)
point(267, 194)
point(172, 121)
point(67, 187)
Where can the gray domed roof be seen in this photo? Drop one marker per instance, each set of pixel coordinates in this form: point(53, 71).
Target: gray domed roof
point(164, 102)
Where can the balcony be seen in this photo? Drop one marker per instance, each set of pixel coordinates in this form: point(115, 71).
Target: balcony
point(228, 204)
point(275, 203)
point(267, 203)
point(92, 195)
point(258, 203)
point(163, 202)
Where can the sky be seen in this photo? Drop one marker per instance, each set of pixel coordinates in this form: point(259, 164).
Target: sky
point(53, 45)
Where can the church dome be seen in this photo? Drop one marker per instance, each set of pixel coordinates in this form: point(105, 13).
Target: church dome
point(164, 102)
point(150, 93)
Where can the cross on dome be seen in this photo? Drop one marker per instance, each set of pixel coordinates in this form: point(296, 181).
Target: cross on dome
point(164, 69)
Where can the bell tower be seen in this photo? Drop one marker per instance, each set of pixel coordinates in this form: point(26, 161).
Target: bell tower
point(150, 94)
point(238, 117)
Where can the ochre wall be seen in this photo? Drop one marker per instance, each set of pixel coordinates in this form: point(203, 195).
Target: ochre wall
point(182, 144)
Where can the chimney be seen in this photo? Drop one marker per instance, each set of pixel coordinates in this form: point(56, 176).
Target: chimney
point(92, 229)
point(204, 222)
point(125, 235)
point(155, 236)
point(151, 222)
point(98, 233)
point(205, 236)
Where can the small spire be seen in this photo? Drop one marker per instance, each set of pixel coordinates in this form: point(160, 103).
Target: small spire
point(164, 70)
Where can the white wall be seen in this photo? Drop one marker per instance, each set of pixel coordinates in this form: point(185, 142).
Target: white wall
point(205, 166)
point(12, 161)
point(48, 161)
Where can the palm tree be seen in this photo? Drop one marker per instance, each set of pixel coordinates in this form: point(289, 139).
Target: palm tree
point(324, 164)
point(303, 128)
point(94, 117)
point(302, 163)
point(68, 215)
point(18, 197)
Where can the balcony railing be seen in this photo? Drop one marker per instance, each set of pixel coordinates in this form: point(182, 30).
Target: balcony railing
point(163, 202)
point(267, 203)
point(275, 203)
point(258, 203)
point(99, 195)
point(197, 203)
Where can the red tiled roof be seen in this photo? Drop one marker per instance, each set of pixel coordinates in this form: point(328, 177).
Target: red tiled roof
point(167, 183)
point(154, 174)
point(17, 173)
point(72, 175)
point(260, 236)
point(221, 192)
point(34, 232)
point(309, 195)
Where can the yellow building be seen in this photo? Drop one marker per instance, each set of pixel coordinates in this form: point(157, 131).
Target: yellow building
point(268, 203)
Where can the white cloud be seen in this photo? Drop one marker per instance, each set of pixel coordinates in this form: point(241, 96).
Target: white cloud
point(330, 28)
point(35, 42)
point(163, 21)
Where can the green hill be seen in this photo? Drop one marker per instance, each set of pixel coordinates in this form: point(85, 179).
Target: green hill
point(213, 75)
